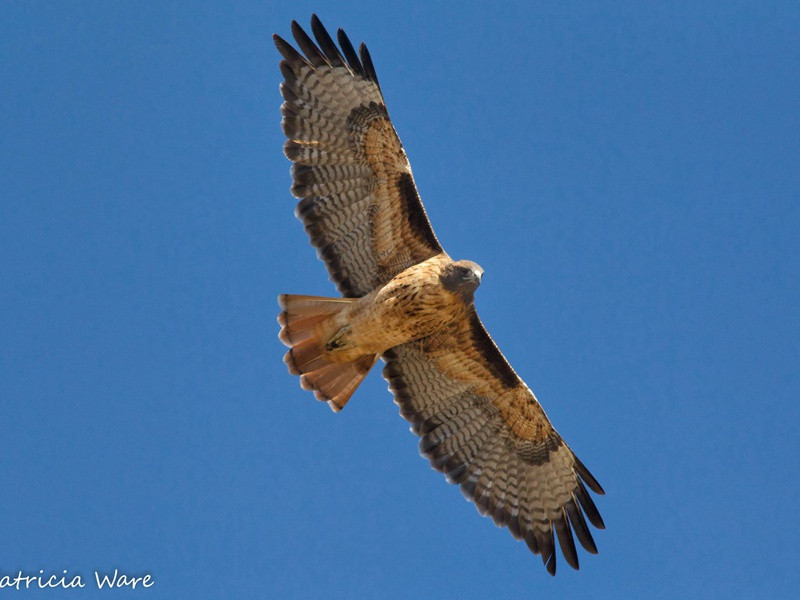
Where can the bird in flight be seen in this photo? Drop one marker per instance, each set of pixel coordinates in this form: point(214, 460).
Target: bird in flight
point(406, 301)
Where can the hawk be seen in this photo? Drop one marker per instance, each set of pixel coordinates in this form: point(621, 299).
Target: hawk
point(406, 301)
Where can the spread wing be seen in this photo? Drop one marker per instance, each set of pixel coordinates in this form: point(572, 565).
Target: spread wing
point(359, 203)
point(484, 429)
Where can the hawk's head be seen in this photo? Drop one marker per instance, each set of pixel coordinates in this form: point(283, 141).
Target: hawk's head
point(462, 277)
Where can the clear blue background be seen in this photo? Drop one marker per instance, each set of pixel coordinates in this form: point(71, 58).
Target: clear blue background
point(629, 178)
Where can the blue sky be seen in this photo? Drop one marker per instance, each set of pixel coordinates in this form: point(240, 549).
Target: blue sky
point(628, 178)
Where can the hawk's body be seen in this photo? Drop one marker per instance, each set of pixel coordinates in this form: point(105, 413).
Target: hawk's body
point(420, 302)
point(412, 305)
point(406, 301)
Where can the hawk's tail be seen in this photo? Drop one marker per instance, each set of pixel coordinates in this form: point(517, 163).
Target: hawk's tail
point(307, 325)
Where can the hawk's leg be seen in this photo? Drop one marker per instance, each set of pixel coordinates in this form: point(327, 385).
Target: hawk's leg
point(338, 340)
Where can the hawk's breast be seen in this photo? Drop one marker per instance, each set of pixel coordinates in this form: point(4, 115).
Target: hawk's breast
point(412, 305)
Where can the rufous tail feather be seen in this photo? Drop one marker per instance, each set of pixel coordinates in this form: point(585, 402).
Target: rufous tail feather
point(307, 324)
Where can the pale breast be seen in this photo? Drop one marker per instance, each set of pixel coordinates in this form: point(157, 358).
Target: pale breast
point(414, 304)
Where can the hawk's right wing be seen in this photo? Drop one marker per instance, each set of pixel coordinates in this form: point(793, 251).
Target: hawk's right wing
point(359, 204)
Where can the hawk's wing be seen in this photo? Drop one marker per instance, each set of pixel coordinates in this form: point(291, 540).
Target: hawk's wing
point(359, 204)
point(484, 429)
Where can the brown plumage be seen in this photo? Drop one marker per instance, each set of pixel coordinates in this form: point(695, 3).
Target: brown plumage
point(406, 301)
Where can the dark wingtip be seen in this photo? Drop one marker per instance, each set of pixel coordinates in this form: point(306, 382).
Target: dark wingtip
point(588, 506)
point(566, 541)
point(369, 67)
point(350, 53)
point(307, 45)
point(295, 26)
point(286, 50)
point(550, 564)
point(549, 551)
point(579, 526)
point(593, 484)
point(325, 42)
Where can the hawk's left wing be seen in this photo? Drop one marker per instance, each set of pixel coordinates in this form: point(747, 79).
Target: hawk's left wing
point(484, 429)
